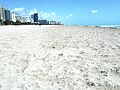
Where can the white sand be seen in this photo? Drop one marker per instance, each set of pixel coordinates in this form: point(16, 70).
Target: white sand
point(59, 58)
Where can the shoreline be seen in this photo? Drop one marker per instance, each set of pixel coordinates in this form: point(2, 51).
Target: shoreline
point(98, 26)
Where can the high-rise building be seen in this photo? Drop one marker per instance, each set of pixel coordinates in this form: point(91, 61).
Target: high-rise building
point(13, 17)
point(25, 19)
point(22, 19)
point(2, 13)
point(32, 16)
point(47, 22)
point(44, 22)
point(32, 19)
point(8, 15)
point(35, 17)
point(18, 18)
point(54, 23)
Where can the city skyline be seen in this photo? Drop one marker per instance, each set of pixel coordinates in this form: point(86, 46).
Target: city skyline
point(68, 12)
point(8, 17)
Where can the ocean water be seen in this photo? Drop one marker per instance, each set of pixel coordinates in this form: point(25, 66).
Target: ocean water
point(105, 26)
point(108, 26)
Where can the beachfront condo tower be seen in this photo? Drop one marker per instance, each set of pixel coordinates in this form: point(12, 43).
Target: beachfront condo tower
point(8, 15)
point(35, 17)
point(2, 13)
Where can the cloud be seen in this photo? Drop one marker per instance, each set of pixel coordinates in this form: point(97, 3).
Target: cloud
point(42, 15)
point(20, 11)
point(70, 15)
point(94, 11)
point(45, 15)
point(32, 11)
point(49, 16)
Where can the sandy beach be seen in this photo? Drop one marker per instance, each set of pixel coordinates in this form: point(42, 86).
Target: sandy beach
point(59, 58)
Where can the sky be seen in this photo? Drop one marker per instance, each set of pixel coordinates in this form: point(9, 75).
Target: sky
point(69, 12)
